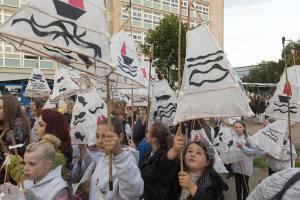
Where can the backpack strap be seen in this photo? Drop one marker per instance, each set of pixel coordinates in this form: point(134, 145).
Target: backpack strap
point(295, 178)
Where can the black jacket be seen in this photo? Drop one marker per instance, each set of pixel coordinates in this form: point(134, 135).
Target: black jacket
point(160, 176)
point(212, 192)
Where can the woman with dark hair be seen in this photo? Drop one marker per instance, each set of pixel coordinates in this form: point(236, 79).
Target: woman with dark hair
point(14, 126)
point(53, 122)
point(158, 172)
point(36, 108)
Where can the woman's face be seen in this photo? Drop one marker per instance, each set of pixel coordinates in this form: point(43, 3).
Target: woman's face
point(36, 168)
point(33, 109)
point(238, 128)
point(195, 158)
point(149, 137)
point(40, 128)
point(1, 110)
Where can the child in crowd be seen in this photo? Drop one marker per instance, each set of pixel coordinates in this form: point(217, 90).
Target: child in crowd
point(43, 182)
point(244, 168)
point(200, 180)
point(127, 181)
point(158, 172)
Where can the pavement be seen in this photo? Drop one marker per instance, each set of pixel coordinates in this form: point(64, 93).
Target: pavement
point(258, 174)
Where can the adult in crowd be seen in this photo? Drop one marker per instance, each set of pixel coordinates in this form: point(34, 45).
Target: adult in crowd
point(14, 127)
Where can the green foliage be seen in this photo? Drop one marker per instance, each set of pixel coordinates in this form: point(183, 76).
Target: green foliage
point(270, 71)
point(165, 40)
point(260, 162)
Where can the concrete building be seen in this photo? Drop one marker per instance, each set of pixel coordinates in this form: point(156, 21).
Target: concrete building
point(15, 67)
point(146, 14)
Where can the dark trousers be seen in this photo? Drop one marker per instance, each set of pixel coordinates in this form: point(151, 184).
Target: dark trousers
point(241, 186)
point(270, 171)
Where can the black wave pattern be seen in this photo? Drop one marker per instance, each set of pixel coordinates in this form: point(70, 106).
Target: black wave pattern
point(64, 33)
point(95, 110)
point(215, 66)
point(292, 109)
point(203, 57)
point(167, 111)
point(272, 134)
point(60, 51)
point(128, 69)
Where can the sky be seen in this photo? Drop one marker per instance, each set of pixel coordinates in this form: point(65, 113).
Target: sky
point(253, 29)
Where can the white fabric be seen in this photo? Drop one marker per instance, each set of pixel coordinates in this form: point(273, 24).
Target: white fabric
point(66, 83)
point(49, 186)
point(210, 88)
point(75, 39)
point(37, 85)
point(278, 103)
point(271, 138)
point(124, 55)
point(270, 186)
point(163, 103)
point(127, 180)
point(225, 145)
point(50, 103)
point(218, 165)
point(87, 109)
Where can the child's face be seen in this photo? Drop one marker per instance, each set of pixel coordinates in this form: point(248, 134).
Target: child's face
point(36, 168)
point(195, 158)
point(100, 135)
point(238, 128)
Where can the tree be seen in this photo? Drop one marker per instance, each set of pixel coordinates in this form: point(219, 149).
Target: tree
point(165, 40)
point(270, 71)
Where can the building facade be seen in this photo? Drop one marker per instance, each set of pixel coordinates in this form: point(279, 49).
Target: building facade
point(146, 14)
point(15, 66)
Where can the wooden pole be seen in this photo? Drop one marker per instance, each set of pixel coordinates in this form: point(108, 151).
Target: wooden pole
point(149, 84)
point(130, 17)
point(189, 15)
point(288, 101)
point(179, 43)
point(132, 114)
point(110, 181)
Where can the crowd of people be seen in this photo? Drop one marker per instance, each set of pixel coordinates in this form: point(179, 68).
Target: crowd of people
point(145, 159)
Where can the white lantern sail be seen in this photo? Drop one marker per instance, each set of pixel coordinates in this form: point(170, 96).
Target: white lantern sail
point(37, 85)
point(124, 55)
point(278, 107)
point(71, 32)
point(225, 145)
point(272, 138)
point(197, 135)
point(88, 110)
point(163, 104)
point(66, 83)
point(209, 88)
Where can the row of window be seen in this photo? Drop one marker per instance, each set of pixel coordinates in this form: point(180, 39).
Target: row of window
point(172, 5)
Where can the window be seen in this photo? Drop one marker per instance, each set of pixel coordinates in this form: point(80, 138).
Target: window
point(167, 2)
point(124, 12)
point(137, 36)
point(148, 17)
point(184, 4)
point(174, 3)
point(137, 15)
point(157, 1)
point(156, 18)
point(14, 3)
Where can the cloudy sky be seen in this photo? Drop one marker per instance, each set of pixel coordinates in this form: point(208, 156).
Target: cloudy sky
point(253, 29)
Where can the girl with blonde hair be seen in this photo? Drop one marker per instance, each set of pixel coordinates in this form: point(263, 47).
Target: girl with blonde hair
point(41, 180)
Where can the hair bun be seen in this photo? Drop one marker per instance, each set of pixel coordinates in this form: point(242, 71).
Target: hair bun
point(52, 139)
